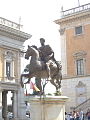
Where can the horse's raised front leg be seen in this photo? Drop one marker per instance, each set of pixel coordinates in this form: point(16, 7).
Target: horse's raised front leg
point(21, 79)
point(21, 82)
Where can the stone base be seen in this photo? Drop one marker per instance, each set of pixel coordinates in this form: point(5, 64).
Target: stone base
point(22, 119)
point(48, 107)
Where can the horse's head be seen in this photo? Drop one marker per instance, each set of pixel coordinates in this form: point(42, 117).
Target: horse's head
point(32, 50)
point(28, 53)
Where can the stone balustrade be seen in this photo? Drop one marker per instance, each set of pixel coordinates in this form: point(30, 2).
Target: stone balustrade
point(76, 10)
point(9, 23)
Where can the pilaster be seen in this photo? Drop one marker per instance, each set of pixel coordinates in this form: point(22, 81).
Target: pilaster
point(15, 104)
point(63, 51)
point(21, 105)
point(4, 104)
point(1, 105)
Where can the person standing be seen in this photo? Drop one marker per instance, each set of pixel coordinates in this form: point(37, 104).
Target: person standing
point(77, 116)
point(81, 115)
point(88, 114)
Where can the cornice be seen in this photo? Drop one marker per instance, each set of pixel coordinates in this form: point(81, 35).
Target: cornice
point(73, 77)
point(9, 86)
point(13, 33)
point(73, 17)
point(79, 54)
point(10, 43)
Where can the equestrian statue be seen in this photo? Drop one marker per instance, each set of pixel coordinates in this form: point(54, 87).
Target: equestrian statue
point(43, 65)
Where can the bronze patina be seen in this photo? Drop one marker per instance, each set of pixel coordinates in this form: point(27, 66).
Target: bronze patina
point(43, 65)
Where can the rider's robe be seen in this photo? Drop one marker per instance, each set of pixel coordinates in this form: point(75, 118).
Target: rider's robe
point(45, 51)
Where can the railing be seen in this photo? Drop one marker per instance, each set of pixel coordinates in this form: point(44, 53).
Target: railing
point(84, 106)
point(75, 10)
point(9, 23)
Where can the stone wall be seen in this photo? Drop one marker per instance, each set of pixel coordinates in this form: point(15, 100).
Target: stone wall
point(77, 89)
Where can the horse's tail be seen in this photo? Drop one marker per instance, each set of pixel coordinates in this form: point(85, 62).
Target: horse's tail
point(21, 82)
point(59, 67)
point(24, 75)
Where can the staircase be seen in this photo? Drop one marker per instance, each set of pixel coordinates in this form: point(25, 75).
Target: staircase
point(84, 106)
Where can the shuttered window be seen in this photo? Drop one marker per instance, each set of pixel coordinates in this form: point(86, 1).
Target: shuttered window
point(8, 69)
point(78, 30)
point(80, 67)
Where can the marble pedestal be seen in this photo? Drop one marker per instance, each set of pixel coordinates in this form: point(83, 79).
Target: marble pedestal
point(21, 106)
point(48, 107)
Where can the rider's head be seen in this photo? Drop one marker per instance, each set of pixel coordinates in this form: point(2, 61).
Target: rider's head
point(42, 41)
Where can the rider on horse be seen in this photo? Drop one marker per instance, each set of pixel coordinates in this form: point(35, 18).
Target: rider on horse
point(43, 64)
point(47, 55)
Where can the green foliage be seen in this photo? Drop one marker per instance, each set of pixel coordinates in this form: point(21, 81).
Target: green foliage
point(49, 94)
point(57, 93)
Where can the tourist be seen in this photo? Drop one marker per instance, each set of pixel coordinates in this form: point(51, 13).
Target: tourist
point(65, 116)
point(81, 115)
point(68, 116)
point(88, 114)
point(77, 116)
point(72, 115)
point(28, 110)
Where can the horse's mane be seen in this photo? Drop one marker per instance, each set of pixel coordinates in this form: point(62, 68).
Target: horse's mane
point(34, 46)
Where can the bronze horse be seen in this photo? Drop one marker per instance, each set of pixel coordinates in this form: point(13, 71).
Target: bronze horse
point(37, 68)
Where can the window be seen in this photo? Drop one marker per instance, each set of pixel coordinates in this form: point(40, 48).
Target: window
point(80, 67)
point(78, 30)
point(8, 69)
point(9, 58)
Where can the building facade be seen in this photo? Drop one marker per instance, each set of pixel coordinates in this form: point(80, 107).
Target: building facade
point(75, 54)
point(11, 45)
